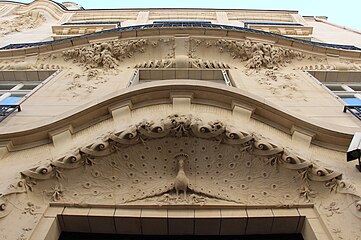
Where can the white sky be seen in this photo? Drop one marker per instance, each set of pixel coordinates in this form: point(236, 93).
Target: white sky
point(342, 12)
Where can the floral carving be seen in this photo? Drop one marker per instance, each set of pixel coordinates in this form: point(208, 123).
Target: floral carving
point(21, 22)
point(106, 55)
point(258, 55)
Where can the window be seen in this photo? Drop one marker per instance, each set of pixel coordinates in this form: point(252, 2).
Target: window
point(183, 23)
point(345, 85)
point(220, 76)
point(350, 93)
point(17, 86)
point(247, 24)
point(11, 93)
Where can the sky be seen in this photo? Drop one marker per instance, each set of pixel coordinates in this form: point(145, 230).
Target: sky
point(342, 12)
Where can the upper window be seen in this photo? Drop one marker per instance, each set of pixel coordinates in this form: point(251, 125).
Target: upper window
point(117, 23)
point(12, 93)
point(184, 23)
point(345, 85)
point(211, 75)
point(350, 93)
point(17, 86)
point(246, 24)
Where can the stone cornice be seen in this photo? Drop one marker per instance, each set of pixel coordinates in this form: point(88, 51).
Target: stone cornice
point(217, 31)
point(57, 5)
point(332, 136)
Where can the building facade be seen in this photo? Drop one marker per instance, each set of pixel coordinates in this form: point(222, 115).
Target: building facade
point(177, 122)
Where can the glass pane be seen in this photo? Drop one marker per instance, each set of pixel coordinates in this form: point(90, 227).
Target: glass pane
point(29, 87)
point(95, 236)
point(352, 101)
point(335, 87)
point(10, 100)
point(355, 87)
point(7, 86)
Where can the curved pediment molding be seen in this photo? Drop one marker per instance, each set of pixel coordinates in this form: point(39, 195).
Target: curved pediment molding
point(46, 7)
point(25, 21)
point(159, 92)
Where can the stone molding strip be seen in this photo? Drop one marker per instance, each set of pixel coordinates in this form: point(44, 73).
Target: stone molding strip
point(332, 136)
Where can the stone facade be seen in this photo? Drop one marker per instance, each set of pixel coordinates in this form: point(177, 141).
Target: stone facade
point(176, 121)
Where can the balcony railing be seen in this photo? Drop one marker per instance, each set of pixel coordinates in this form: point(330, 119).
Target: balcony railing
point(355, 110)
point(6, 110)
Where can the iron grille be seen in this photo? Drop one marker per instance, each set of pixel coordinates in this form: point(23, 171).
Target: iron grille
point(355, 110)
point(6, 110)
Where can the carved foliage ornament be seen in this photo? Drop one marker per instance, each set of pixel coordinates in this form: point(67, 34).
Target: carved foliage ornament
point(257, 54)
point(106, 54)
point(21, 22)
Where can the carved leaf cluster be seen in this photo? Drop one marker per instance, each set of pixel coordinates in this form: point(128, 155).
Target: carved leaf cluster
point(258, 55)
point(107, 54)
point(21, 22)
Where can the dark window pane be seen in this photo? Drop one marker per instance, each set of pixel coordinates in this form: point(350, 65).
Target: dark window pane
point(93, 236)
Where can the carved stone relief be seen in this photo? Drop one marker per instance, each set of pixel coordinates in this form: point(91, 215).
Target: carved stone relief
point(203, 162)
point(279, 84)
point(254, 54)
point(193, 63)
point(107, 54)
point(338, 66)
point(21, 22)
point(182, 160)
point(24, 65)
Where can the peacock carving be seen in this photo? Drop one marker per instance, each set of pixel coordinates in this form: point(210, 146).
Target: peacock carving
point(181, 181)
point(178, 155)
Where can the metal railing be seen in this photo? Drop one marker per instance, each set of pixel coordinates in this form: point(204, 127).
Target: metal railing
point(355, 110)
point(6, 110)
